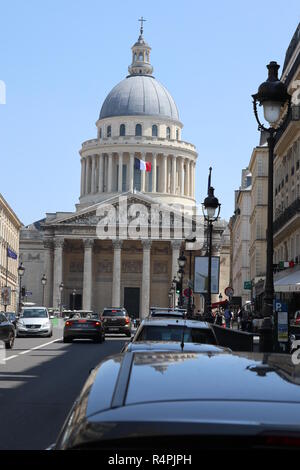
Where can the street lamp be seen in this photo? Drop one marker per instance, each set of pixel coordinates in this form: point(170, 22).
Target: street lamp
point(211, 211)
point(44, 282)
point(61, 288)
point(73, 294)
point(273, 96)
point(189, 309)
point(181, 263)
point(21, 271)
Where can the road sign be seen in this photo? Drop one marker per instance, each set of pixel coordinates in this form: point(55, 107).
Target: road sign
point(247, 285)
point(28, 293)
point(229, 291)
point(186, 292)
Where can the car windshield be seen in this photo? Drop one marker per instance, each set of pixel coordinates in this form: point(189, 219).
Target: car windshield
point(114, 313)
point(34, 313)
point(174, 333)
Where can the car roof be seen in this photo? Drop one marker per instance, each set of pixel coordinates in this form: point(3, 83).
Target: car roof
point(160, 321)
point(196, 389)
point(174, 346)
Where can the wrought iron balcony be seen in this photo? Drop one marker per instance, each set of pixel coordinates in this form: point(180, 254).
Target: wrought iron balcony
point(287, 215)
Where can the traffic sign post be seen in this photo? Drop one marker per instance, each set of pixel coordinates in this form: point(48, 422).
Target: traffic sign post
point(282, 327)
point(229, 291)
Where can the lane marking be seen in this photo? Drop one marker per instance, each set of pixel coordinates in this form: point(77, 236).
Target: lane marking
point(33, 349)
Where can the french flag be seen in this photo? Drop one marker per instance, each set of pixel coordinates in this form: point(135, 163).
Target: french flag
point(141, 165)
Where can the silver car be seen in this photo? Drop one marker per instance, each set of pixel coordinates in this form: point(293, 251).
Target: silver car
point(34, 321)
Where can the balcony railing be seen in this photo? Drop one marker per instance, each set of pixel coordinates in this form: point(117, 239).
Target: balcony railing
point(287, 215)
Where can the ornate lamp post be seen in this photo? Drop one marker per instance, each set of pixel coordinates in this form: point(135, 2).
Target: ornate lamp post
point(73, 294)
point(181, 263)
point(44, 282)
point(21, 271)
point(273, 96)
point(61, 288)
point(189, 309)
point(211, 211)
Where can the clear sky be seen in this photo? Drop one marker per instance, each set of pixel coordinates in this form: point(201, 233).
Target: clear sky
point(60, 58)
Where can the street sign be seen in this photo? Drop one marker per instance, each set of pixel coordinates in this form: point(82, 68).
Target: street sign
point(247, 285)
point(283, 327)
point(229, 291)
point(28, 293)
point(186, 292)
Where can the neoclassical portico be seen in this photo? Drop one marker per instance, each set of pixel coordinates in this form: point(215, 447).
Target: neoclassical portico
point(89, 265)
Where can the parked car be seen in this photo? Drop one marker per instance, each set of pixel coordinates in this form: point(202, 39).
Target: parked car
point(296, 319)
point(177, 401)
point(83, 327)
point(7, 331)
point(34, 321)
point(171, 329)
point(116, 320)
point(12, 317)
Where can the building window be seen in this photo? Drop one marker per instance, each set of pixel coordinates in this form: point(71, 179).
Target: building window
point(141, 57)
point(100, 133)
point(177, 134)
point(122, 130)
point(138, 130)
point(297, 164)
point(154, 130)
point(168, 133)
point(108, 131)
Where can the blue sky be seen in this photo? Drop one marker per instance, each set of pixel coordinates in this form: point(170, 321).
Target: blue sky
point(59, 60)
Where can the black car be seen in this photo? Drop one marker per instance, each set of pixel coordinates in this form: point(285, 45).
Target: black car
point(175, 329)
point(168, 400)
point(116, 320)
point(79, 327)
point(7, 332)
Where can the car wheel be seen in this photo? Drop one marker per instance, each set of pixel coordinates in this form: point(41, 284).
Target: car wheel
point(10, 343)
point(67, 340)
point(50, 335)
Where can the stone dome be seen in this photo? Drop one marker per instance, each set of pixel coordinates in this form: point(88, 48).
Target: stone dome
point(139, 95)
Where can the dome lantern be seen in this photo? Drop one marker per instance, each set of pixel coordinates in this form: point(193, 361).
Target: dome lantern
point(140, 56)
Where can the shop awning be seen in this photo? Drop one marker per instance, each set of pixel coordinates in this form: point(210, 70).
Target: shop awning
point(288, 283)
point(222, 303)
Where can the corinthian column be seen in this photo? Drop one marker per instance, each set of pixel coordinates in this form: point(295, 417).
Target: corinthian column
point(120, 175)
point(82, 183)
point(173, 179)
point(131, 172)
point(101, 166)
point(164, 174)
point(153, 169)
point(57, 270)
point(109, 173)
point(181, 173)
point(93, 175)
point(87, 172)
point(87, 274)
point(146, 278)
point(143, 175)
point(48, 270)
point(116, 285)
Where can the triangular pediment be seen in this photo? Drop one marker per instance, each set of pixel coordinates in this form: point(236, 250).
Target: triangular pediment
point(130, 202)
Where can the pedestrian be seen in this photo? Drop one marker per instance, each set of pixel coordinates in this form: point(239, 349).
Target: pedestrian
point(228, 317)
point(244, 319)
point(219, 318)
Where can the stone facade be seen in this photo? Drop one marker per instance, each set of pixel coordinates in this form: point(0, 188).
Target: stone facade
point(10, 227)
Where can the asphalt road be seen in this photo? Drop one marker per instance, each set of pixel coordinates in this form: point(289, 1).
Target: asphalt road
point(39, 381)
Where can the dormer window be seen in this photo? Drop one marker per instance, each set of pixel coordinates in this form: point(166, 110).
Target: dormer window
point(108, 131)
point(168, 133)
point(154, 130)
point(122, 129)
point(138, 130)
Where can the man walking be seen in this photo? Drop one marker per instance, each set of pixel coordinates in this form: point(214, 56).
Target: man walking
point(228, 317)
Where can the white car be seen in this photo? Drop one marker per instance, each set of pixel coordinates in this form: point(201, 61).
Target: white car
point(34, 321)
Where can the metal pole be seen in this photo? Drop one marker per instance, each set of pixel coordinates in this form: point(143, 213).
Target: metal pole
point(20, 294)
point(6, 277)
point(43, 295)
point(190, 278)
point(266, 331)
point(210, 228)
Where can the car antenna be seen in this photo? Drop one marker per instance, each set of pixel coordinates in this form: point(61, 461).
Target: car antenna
point(182, 337)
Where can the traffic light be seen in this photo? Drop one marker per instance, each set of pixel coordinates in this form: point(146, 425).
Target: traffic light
point(178, 287)
point(23, 291)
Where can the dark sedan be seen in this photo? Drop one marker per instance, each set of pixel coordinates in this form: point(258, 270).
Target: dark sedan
point(116, 320)
point(78, 327)
point(169, 400)
point(7, 332)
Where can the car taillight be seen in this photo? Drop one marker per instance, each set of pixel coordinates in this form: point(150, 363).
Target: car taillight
point(127, 320)
point(97, 323)
point(68, 323)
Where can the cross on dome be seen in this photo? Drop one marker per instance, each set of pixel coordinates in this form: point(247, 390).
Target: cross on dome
point(141, 55)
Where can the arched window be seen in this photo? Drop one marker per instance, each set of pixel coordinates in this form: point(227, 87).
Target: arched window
point(100, 133)
point(154, 130)
point(122, 129)
point(108, 131)
point(177, 134)
point(168, 133)
point(138, 129)
point(134, 57)
point(141, 57)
